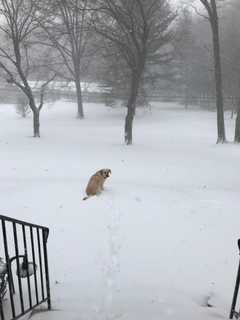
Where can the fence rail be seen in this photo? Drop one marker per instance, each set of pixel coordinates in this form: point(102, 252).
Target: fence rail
point(24, 250)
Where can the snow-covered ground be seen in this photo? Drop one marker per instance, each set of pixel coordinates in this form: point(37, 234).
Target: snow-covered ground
point(160, 242)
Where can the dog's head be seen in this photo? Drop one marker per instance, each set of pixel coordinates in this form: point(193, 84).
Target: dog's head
point(105, 173)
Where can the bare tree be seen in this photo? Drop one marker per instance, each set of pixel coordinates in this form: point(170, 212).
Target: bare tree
point(231, 66)
point(67, 30)
point(17, 26)
point(192, 59)
point(139, 32)
point(212, 16)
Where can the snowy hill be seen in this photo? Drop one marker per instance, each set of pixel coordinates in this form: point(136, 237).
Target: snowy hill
point(160, 242)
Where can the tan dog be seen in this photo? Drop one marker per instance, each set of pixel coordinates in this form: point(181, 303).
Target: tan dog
point(95, 184)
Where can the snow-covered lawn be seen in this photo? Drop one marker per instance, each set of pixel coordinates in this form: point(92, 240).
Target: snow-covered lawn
point(160, 242)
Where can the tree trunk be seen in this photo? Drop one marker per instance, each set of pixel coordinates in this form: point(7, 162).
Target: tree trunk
point(237, 125)
point(36, 116)
point(36, 124)
point(218, 76)
point(80, 113)
point(131, 106)
point(129, 126)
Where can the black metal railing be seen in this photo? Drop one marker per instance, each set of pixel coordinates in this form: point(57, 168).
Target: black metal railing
point(236, 313)
point(24, 273)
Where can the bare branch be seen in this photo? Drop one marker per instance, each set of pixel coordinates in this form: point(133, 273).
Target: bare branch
point(42, 90)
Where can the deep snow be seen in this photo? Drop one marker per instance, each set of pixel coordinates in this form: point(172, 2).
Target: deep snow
point(160, 241)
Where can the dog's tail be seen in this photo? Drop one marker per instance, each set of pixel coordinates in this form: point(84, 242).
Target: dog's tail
point(85, 198)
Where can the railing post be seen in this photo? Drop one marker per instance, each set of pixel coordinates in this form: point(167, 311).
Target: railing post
point(45, 233)
point(236, 289)
point(9, 271)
